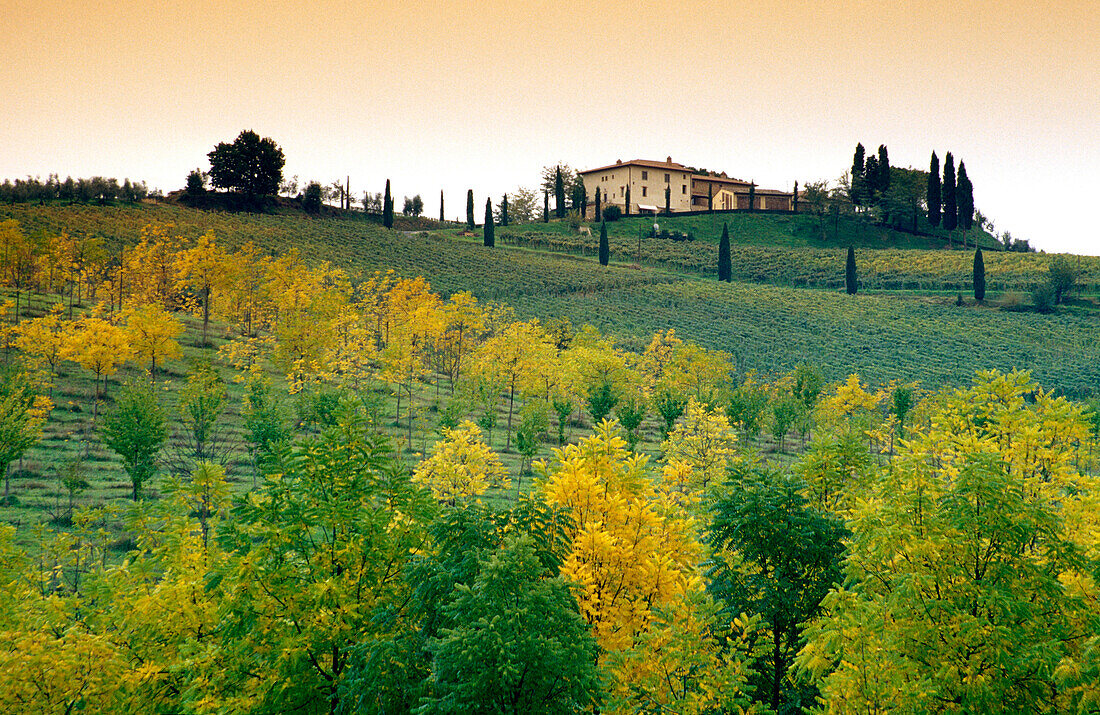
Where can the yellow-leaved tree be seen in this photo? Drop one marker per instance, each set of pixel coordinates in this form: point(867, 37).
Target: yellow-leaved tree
point(698, 451)
point(461, 466)
point(970, 576)
point(632, 549)
point(99, 346)
point(152, 332)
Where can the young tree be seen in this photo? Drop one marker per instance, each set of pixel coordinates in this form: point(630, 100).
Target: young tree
point(203, 269)
point(196, 183)
point(935, 202)
point(857, 175)
point(965, 201)
point(22, 414)
point(504, 210)
point(559, 194)
point(387, 207)
point(461, 466)
point(489, 233)
point(250, 165)
point(417, 205)
point(152, 333)
point(469, 209)
point(135, 430)
point(517, 644)
point(725, 266)
point(604, 247)
point(979, 275)
point(950, 197)
point(1062, 277)
point(850, 283)
point(777, 556)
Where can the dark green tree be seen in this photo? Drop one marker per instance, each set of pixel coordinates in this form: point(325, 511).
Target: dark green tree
point(559, 194)
point(441, 218)
point(870, 180)
point(752, 196)
point(605, 249)
point(710, 197)
point(311, 199)
point(882, 184)
point(858, 161)
point(935, 202)
point(950, 197)
point(1062, 278)
point(725, 266)
point(488, 231)
point(979, 275)
point(602, 398)
point(668, 199)
point(469, 209)
point(517, 645)
point(387, 207)
point(850, 284)
point(794, 198)
point(250, 165)
point(965, 198)
point(545, 206)
point(787, 557)
point(136, 430)
point(504, 210)
point(599, 210)
point(578, 198)
point(626, 208)
point(196, 183)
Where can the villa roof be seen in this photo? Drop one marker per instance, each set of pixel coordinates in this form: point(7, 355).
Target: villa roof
point(647, 163)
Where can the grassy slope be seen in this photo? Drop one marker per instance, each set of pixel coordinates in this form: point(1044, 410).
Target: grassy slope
point(771, 328)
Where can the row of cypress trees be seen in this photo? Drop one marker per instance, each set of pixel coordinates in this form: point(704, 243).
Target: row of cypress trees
point(950, 199)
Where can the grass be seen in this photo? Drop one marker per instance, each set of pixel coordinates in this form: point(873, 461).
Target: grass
point(768, 320)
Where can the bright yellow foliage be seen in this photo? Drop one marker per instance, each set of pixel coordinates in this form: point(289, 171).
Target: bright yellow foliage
point(705, 442)
point(632, 549)
point(461, 466)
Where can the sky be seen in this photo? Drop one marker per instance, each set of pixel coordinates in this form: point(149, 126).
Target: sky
point(481, 95)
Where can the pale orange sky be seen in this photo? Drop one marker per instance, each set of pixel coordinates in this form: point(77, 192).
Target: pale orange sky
point(457, 95)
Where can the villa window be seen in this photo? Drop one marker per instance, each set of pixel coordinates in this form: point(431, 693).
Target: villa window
point(643, 190)
point(645, 176)
point(684, 189)
point(666, 178)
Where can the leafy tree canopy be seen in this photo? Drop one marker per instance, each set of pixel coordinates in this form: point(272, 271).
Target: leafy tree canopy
point(250, 165)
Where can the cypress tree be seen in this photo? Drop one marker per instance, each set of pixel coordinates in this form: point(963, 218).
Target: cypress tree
point(441, 206)
point(950, 199)
point(857, 174)
point(752, 196)
point(883, 182)
point(626, 209)
point(710, 196)
point(979, 273)
point(596, 214)
point(869, 183)
point(850, 272)
point(668, 199)
point(605, 249)
point(504, 211)
point(964, 190)
point(584, 202)
point(469, 209)
point(490, 235)
point(725, 267)
point(935, 203)
point(387, 207)
point(545, 206)
point(559, 194)
point(794, 199)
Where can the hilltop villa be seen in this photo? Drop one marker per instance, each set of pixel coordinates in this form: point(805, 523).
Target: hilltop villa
point(690, 190)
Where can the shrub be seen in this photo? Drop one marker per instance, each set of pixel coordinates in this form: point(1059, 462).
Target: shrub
point(612, 213)
point(1013, 302)
point(1043, 298)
